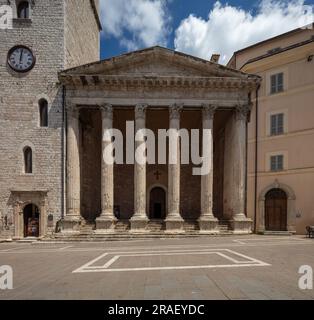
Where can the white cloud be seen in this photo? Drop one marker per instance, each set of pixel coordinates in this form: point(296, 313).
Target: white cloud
point(229, 29)
point(136, 23)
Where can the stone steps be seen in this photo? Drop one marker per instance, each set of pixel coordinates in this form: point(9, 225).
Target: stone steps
point(190, 226)
point(127, 235)
point(155, 225)
point(122, 226)
point(278, 233)
point(224, 226)
point(155, 230)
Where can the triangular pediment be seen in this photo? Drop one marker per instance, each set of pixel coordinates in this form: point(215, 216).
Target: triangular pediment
point(155, 61)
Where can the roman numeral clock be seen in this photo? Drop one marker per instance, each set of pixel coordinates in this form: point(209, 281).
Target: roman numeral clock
point(21, 59)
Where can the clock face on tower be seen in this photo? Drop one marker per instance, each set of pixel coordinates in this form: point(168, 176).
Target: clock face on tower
point(21, 59)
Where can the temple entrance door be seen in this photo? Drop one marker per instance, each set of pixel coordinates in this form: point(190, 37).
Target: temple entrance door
point(276, 210)
point(157, 204)
point(31, 221)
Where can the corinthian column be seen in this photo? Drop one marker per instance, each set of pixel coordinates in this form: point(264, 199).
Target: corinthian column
point(139, 219)
point(240, 223)
point(174, 220)
point(207, 221)
point(107, 219)
point(73, 214)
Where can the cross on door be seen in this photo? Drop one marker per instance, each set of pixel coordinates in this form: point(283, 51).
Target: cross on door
point(157, 174)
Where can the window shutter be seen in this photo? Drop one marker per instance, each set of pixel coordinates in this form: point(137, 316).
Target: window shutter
point(280, 162)
point(273, 163)
point(273, 126)
point(280, 124)
point(280, 82)
point(273, 84)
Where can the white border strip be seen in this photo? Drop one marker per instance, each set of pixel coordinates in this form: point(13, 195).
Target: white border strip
point(249, 262)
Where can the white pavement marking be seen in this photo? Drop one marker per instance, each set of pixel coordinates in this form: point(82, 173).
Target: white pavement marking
point(93, 261)
point(8, 250)
point(280, 238)
point(175, 268)
point(239, 241)
point(228, 258)
point(110, 262)
point(64, 248)
point(244, 256)
point(249, 262)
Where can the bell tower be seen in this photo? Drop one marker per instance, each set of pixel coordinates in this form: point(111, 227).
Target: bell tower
point(44, 38)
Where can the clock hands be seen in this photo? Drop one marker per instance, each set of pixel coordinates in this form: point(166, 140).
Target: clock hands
point(21, 55)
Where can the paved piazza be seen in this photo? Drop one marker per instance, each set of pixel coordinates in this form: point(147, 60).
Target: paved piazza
point(248, 267)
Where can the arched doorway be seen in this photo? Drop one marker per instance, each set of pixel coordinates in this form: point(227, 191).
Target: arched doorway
point(31, 221)
point(276, 210)
point(157, 203)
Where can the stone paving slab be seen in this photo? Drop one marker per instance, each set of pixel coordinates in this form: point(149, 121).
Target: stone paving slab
point(46, 271)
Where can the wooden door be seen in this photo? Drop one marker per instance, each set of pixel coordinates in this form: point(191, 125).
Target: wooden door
point(276, 210)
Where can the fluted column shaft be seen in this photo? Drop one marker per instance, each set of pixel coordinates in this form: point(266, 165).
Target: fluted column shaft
point(241, 118)
point(207, 180)
point(73, 163)
point(207, 222)
point(107, 167)
point(140, 168)
point(174, 168)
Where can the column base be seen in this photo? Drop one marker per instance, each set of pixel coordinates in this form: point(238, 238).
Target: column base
point(174, 224)
point(208, 225)
point(103, 223)
point(138, 224)
point(240, 224)
point(71, 224)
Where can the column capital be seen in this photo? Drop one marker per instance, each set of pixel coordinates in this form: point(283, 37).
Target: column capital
point(209, 110)
point(175, 110)
point(140, 111)
point(243, 111)
point(107, 111)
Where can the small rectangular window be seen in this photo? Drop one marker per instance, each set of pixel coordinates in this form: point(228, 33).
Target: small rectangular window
point(276, 163)
point(277, 124)
point(277, 84)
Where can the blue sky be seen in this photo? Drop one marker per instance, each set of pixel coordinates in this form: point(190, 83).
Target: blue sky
point(198, 27)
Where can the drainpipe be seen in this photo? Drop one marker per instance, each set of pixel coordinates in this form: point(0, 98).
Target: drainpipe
point(256, 159)
point(63, 155)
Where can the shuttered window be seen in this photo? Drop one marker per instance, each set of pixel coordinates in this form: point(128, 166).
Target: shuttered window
point(276, 163)
point(277, 83)
point(277, 124)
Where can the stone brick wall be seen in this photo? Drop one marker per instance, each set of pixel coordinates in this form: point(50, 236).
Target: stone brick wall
point(81, 33)
point(190, 186)
point(19, 115)
point(19, 95)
